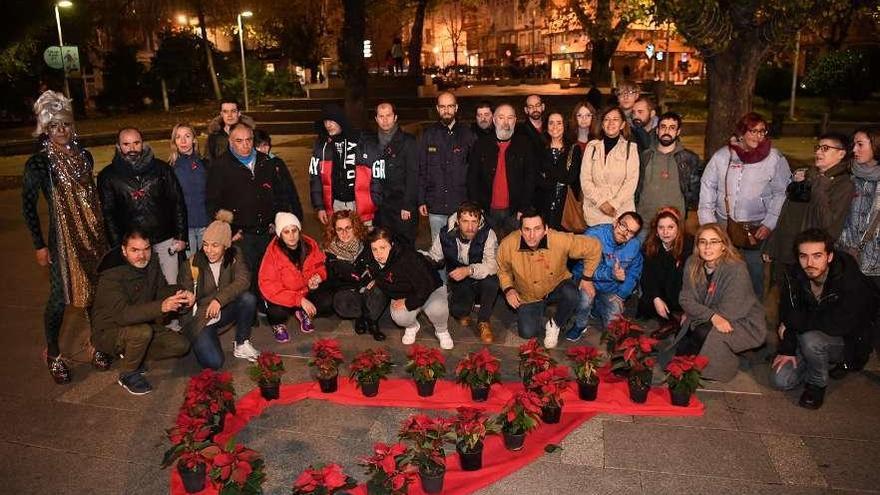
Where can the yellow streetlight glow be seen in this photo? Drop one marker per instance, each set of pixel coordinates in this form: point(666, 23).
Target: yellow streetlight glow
point(247, 13)
point(182, 19)
point(65, 4)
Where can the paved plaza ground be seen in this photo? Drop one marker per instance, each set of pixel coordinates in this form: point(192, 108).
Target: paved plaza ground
point(91, 437)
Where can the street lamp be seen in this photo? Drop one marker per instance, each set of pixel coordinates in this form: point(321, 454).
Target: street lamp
point(63, 4)
point(246, 13)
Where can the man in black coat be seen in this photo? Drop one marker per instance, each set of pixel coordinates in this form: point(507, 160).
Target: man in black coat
point(825, 305)
point(501, 173)
point(394, 159)
point(139, 191)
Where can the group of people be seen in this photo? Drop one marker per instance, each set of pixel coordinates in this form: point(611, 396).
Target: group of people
point(549, 210)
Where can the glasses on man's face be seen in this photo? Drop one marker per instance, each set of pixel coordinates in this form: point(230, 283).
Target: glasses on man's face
point(824, 148)
point(708, 242)
point(623, 229)
point(758, 131)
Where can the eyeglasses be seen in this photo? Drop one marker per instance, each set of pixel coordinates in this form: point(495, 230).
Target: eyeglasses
point(824, 148)
point(585, 116)
point(628, 93)
point(758, 132)
point(348, 228)
point(623, 229)
point(709, 242)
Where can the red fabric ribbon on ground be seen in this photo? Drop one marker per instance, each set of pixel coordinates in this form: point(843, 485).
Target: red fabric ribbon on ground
point(498, 462)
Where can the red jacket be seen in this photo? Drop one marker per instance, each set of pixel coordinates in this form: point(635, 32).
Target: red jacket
point(284, 284)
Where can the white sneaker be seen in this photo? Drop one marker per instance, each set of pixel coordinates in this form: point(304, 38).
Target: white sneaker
point(245, 351)
point(445, 341)
point(551, 335)
point(409, 334)
point(174, 326)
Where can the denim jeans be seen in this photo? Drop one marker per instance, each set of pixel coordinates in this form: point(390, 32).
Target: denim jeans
point(196, 234)
point(530, 315)
point(207, 348)
point(468, 291)
point(605, 306)
point(437, 222)
point(755, 265)
point(816, 351)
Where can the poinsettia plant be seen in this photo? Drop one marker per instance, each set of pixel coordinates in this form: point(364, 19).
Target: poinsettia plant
point(521, 413)
point(425, 364)
point(533, 359)
point(585, 361)
point(427, 436)
point(683, 373)
point(637, 358)
point(390, 469)
point(326, 358)
point(235, 469)
point(478, 369)
point(619, 329)
point(370, 366)
point(188, 436)
point(268, 369)
point(323, 480)
point(209, 395)
point(549, 385)
point(471, 426)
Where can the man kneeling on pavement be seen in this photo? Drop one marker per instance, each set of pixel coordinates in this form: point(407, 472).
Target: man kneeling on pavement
point(825, 306)
point(467, 248)
point(131, 301)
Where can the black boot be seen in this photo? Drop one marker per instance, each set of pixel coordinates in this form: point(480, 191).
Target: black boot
point(374, 330)
point(813, 397)
point(360, 326)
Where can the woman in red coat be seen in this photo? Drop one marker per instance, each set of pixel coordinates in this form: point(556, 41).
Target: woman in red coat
point(291, 271)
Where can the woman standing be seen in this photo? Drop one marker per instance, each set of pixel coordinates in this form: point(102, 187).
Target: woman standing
point(62, 171)
point(559, 170)
point(610, 171)
point(413, 285)
point(193, 178)
point(666, 249)
point(584, 124)
point(348, 276)
point(293, 268)
point(722, 315)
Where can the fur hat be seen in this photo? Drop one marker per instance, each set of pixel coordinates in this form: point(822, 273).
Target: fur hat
point(52, 106)
point(219, 230)
point(283, 220)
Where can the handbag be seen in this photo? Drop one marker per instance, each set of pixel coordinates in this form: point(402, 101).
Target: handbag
point(742, 234)
point(573, 209)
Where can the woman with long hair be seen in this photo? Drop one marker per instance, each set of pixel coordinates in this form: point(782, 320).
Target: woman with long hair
point(558, 170)
point(583, 124)
point(348, 276)
point(722, 315)
point(666, 248)
point(193, 178)
point(610, 170)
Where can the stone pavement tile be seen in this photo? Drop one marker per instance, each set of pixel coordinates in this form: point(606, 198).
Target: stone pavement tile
point(850, 411)
point(717, 414)
point(669, 449)
point(847, 464)
point(677, 484)
point(793, 461)
point(585, 446)
point(309, 416)
point(545, 477)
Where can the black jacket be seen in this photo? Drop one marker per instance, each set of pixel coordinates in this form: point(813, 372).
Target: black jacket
point(342, 274)
point(844, 309)
point(150, 199)
point(536, 137)
point(407, 275)
point(443, 167)
point(253, 198)
point(662, 277)
point(218, 139)
point(555, 176)
point(521, 171)
point(395, 184)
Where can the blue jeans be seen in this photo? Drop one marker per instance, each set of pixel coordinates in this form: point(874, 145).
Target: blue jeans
point(196, 234)
point(207, 348)
point(606, 306)
point(437, 222)
point(755, 265)
point(816, 351)
point(530, 315)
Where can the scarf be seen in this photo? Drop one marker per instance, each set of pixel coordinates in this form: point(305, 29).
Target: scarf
point(346, 251)
point(244, 159)
point(385, 137)
point(751, 156)
point(869, 171)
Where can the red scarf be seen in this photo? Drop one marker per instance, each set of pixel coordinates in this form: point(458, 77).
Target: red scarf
point(751, 156)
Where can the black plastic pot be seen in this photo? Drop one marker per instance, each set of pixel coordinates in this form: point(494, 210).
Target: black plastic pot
point(551, 414)
point(514, 441)
point(425, 389)
point(370, 389)
point(432, 483)
point(329, 385)
point(587, 390)
point(473, 460)
point(270, 391)
point(193, 481)
point(215, 429)
point(479, 394)
point(682, 399)
point(638, 393)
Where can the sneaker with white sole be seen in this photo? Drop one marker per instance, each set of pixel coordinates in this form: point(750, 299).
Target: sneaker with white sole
point(135, 383)
point(245, 351)
point(409, 334)
point(445, 341)
point(551, 334)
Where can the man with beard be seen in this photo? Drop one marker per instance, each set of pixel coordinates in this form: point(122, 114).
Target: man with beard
point(534, 127)
point(670, 173)
point(140, 191)
point(443, 164)
point(644, 118)
point(483, 124)
point(501, 173)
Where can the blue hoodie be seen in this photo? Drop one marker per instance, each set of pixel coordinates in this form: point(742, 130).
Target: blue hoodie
point(629, 254)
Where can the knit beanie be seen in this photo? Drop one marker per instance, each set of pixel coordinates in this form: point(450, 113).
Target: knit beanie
point(283, 220)
point(219, 231)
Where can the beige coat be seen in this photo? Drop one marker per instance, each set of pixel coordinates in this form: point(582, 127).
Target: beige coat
point(613, 180)
point(535, 273)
